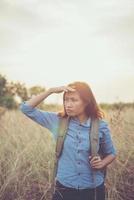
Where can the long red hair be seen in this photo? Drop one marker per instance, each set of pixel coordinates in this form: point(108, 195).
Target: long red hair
point(92, 109)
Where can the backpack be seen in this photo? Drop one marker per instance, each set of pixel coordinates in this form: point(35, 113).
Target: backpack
point(93, 139)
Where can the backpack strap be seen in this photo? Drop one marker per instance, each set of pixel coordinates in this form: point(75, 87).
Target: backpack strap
point(62, 130)
point(63, 126)
point(95, 143)
point(94, 137)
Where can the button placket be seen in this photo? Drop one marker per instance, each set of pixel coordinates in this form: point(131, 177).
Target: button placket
point(78, 140)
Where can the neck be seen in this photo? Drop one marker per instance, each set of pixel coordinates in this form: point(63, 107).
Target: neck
point(82, 118)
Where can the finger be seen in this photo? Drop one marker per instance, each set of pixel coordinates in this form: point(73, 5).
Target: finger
point(65, 90)
point(95, 162)
point(96, 167)
point(71, 89)
point(94, 158)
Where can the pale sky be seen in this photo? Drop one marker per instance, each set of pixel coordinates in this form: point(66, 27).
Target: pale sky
point(54, 42)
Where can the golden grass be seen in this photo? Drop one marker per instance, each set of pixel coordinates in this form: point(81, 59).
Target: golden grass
point(27, 152)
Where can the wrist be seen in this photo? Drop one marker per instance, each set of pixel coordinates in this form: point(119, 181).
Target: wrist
point(104, 163)
point(50, 90)
point(107, 160)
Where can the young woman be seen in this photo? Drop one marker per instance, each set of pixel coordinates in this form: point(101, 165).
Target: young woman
point(74, 174)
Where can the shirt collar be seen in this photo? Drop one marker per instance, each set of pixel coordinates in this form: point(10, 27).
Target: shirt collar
point(85, 124)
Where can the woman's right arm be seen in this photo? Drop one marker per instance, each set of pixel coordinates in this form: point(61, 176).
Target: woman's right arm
point(49, 120)
point(36, 100)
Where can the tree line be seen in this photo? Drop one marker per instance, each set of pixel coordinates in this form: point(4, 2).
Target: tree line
point(12, 93)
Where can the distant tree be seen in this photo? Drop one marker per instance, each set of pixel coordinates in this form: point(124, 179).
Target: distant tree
point(9, 91)
point(35, 90)
point(3, 82)
point(6, 99)
point(8, 102)
point(18, 89)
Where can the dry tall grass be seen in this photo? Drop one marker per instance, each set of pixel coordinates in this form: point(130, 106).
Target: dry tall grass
point(27, 151)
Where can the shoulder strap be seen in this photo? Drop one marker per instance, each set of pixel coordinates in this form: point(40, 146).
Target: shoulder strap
point(62, 129)
point(94, 136)
point(63, 125)
point(94, 140)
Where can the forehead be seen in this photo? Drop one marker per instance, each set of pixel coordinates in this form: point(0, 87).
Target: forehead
point(72, 94)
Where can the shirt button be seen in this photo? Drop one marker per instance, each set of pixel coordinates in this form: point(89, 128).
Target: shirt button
point(78, 173)
point(79, 163)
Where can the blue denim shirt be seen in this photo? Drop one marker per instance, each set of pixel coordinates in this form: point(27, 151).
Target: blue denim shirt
point(74, 169)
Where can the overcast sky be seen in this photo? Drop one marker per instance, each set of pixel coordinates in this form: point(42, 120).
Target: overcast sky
point(54, 42)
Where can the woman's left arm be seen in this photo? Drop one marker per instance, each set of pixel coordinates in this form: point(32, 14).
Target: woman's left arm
point(107, 146)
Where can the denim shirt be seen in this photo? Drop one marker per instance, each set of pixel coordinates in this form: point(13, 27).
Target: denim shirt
point(74, 169)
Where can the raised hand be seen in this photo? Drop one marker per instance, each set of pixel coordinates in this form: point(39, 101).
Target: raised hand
point(62, 89)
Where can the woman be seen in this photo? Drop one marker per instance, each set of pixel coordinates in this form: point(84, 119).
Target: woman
point(74, 174)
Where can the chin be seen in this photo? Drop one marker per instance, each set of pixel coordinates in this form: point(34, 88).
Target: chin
point(71, 115)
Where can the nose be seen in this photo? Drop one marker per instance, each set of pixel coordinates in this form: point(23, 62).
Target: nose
point(68, 105)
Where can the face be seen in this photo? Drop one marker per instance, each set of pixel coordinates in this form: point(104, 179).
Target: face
point(73, 103)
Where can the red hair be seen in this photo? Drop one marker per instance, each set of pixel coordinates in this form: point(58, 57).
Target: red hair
point(92, 109)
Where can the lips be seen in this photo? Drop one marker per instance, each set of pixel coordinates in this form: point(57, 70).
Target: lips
point(69, 110)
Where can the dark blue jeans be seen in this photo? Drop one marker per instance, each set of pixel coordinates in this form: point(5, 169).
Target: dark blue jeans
point(65, 193)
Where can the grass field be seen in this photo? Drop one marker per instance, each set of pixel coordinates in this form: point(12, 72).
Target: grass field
point(27, 152)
